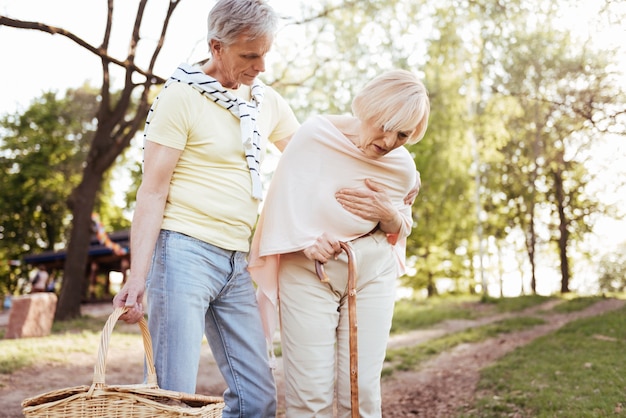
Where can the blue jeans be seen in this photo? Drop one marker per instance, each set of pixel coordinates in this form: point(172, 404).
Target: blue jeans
point(195, 288)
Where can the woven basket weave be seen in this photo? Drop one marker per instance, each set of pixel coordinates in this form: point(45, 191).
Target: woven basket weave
point(121, 401)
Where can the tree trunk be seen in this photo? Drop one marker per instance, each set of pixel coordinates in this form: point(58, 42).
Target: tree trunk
point(75, 269)
point(430, 287)
point(531, 244)
point(563, 232)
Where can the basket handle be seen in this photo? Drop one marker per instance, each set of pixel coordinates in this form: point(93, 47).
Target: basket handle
point(100, 367)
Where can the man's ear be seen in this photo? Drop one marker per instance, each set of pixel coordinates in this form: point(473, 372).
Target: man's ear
point(215, 47)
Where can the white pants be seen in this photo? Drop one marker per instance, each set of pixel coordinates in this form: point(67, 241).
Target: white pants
point(315, 329)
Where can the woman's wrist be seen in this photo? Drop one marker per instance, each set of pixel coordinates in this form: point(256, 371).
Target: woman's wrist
point(392, 225)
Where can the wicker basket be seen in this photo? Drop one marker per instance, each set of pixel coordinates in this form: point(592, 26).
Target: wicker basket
point(124, 401)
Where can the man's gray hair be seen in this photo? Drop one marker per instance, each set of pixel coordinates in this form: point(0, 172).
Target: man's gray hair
point(228, 19)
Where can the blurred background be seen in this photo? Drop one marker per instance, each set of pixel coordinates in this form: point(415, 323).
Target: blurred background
point(523, 166)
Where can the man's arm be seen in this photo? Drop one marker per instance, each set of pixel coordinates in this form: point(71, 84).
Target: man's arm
point(159, 163)
point(282, 144)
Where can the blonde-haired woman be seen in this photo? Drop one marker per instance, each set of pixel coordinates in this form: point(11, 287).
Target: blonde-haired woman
point(343, 178)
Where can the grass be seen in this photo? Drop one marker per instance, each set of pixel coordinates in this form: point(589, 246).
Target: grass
point(410, 314)
point(413, 314)
point(77, 336)
point(410, 357)
point(576, 304)
point(516, 304)
point(578, 371)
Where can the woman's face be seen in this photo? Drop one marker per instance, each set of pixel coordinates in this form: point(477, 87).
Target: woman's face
point(242, 61)
point(375, 142)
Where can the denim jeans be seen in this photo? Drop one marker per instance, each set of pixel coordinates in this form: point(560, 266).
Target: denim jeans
point(195, 288)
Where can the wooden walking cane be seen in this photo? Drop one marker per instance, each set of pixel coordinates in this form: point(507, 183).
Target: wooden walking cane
point(353, 343)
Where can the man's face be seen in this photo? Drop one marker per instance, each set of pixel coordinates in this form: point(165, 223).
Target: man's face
point(242, 61)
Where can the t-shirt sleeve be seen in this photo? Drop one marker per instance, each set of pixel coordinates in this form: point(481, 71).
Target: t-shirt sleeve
point(284, 121)
point(168, 123)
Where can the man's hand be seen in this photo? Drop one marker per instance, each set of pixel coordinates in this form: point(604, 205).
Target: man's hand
point(131, 296)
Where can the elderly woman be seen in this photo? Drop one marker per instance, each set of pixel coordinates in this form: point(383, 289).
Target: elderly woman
point(341, 179)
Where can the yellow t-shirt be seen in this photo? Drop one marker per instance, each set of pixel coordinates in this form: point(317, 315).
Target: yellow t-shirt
point(210, 192)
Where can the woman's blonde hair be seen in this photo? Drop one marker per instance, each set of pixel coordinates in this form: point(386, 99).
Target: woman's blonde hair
point(396, 100)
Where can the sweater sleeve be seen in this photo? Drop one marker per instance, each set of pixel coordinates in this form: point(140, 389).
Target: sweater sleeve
point(405, 227)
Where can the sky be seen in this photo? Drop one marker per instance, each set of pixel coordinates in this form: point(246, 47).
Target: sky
point(33, 62)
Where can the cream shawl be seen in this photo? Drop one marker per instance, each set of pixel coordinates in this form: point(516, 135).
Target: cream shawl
point(300, 204)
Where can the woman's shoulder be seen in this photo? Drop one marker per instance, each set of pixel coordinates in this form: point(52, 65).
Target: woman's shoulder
point(341, 121)
point(327, 126)
point(316, 119)
point(347, 125)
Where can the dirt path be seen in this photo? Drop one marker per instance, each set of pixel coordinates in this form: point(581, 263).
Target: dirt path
point(437, 389)
point(448, 381)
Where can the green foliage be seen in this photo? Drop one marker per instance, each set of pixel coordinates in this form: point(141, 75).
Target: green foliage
point(443, 211)
point(111, 215)
point(612, 269)
point(572, 372)
point(344, 45)
point(329, 53)
point(42, 154)
point(540, 171)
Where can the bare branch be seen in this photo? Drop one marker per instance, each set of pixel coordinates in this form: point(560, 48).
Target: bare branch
point(157, 50)
point(106, 78)
point(326, 12)
point(102, 53)
point(109, 25)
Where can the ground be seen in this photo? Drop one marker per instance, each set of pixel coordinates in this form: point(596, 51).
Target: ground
point(437, 389)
